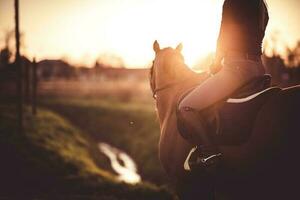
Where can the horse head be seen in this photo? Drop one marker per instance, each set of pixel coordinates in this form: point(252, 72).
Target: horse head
point(168, 67)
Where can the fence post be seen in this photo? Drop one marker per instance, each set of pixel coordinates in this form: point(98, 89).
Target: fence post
point(19, 69)
point(26, 82)
point(34, 87)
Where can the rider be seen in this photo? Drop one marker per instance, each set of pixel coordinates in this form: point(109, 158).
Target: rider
point(238, 60)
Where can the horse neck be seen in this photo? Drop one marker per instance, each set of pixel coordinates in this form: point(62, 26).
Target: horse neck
point(172, 148)
point(167, 100)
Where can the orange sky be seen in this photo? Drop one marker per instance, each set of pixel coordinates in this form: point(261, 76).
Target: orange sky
point(80, 31)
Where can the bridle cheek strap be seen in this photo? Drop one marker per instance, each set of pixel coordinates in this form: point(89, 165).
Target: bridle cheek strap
point(167, 86)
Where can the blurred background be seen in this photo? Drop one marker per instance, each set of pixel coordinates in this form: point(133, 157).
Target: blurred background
point(77, 118)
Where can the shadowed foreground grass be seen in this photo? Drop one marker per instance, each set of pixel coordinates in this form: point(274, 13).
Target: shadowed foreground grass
point(54, 160)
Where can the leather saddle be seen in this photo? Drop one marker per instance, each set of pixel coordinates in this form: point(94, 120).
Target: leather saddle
point(235, 117)
point(230, 121)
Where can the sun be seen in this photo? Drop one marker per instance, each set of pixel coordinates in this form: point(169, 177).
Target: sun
point(193, 23)
point(81, 32)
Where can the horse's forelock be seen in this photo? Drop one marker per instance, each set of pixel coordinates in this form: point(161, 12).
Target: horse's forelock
point(168, 63)
point(166, 57)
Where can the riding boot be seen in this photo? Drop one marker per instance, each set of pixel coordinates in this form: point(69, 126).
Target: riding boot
point(192, 127)
point(205, 156)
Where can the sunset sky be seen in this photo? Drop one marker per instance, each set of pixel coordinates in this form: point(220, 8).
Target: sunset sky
point(82, 30)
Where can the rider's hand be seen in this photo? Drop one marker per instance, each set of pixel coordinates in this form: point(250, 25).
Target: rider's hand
point(215, 67)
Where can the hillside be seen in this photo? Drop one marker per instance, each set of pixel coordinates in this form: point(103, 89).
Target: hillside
point(130, 126)
point(53, 159)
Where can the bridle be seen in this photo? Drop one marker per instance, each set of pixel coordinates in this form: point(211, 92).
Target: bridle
point(165, 87)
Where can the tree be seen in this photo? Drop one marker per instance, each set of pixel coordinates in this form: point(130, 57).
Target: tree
point(293, 56)
point(6, 52)
point(5, 56)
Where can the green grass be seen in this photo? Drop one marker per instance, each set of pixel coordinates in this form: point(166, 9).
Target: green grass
point(130, 126)
point(52, 158)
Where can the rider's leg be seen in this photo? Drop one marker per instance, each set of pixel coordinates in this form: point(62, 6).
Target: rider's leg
point(234, 74)
point(188, 124)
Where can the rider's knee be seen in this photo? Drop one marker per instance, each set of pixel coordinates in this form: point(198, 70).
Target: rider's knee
point(190, 125)
point(183, 106)
point(183, 122)
point(184, 111)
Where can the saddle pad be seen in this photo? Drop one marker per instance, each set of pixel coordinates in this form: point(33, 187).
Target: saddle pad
point(237, 117)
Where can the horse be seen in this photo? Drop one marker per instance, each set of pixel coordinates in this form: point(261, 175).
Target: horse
point(261, 167)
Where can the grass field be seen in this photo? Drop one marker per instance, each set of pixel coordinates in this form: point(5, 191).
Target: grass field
point(58, 153)
point(53, 158)
point(128, 126)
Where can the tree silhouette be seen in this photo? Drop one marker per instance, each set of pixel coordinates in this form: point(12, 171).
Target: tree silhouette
point(293, 56)
point(5, 56)
point(6, 52)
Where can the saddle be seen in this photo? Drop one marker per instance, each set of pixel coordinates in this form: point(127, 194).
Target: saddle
point(235, 116)
point(231, 121)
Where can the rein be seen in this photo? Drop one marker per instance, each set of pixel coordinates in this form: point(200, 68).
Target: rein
point(167, 86)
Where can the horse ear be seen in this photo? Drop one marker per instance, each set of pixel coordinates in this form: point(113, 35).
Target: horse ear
point(179, 47)
point(156, 47)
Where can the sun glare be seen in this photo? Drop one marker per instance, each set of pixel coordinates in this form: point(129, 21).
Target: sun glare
point(170, 22)
point(81, 31)
point(92, 28)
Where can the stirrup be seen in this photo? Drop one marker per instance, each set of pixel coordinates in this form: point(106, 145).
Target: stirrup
point(196, 160)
